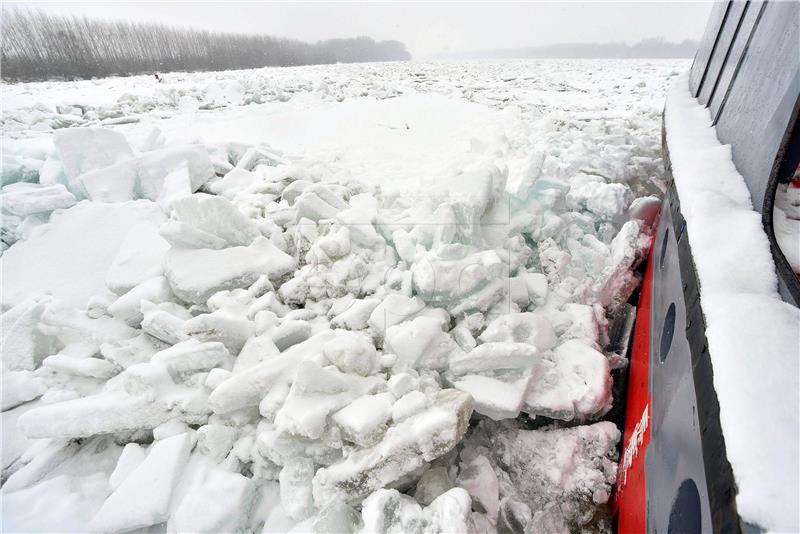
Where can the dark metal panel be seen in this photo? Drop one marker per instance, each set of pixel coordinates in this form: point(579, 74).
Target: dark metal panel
point(706, 47)
point(735, 56)
point(675, 282)
point(727, 34)
point(762, 96)
point(675, 452)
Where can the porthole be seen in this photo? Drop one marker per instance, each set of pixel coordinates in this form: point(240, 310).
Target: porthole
point(667, 331)
point(685, 516)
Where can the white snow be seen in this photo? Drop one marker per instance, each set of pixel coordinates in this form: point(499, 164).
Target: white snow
point(752, 334)
point(333, 274)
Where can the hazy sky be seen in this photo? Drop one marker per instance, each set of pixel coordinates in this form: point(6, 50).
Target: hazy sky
point(427, 28)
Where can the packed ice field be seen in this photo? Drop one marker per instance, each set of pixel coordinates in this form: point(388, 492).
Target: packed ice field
point(345, 298)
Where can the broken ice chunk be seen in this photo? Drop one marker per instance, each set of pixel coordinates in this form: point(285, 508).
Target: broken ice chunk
point(357, 314)
point(143, 498)
point(454, 272)
point(578, 385)
point(248, 387)
point(255, 350)
point(409, 404)
point(161, 324)
point(84, 149)
point(497, 375)
point(85, 367)
point(128, 306)
point(433, 483)
point(170, 428)
point(216, 216)
point(177, 184)
point(218, 501)
point(34, 199)
point(581, 324)
point(537, 287)
point(132, 455)
point(257, 155)
point(22, 170)
point(421, 344)
point(607, 201)
point(22, 344)
point(296, 497)
point(84, 239)
point(389, 511)
point(223, 269)
point(337, 518)
point(496, 399)
point(479, 479)
point(352, 353)
point(318, 202)
point(618, 280)
point(496, 356)
point(401, 383)
point(179, 234)
point(154, 166)
point(363, 421)
point(316, 393)
point(19, 387)
point(112, 183)
point(54, 453)
point(138, 259)
point(404, 449)
point(191, 356)
point(394, 309)
point(215, 441)
point(235, 180)
point(290, 333)
point(73, 326)
point(105, 413)
point(231, 331)
point(131, 351)
point(450, 512)
point(527, 328)
point(560, 474)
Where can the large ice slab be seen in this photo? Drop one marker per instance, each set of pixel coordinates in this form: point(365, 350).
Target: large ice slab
point(143, 498)
point(139, 258)
point(70, 256)
point(85, 149)
point(24, 201)
point(222, 269)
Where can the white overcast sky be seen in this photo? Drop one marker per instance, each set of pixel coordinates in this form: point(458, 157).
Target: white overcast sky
point(427, 28)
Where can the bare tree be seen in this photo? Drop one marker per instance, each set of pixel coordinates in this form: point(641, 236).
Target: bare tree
point(37, 46)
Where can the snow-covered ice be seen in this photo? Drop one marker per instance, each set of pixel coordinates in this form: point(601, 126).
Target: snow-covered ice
point(329, 299)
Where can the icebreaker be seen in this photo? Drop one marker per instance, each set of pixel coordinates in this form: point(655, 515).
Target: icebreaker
point(711, 436)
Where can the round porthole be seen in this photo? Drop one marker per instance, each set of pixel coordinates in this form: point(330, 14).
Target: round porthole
point(663, 253)
point(667, 331)
point(685, 516)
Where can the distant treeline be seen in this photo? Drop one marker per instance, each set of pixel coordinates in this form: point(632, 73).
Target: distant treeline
point(40, 46)
point(649, 48)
